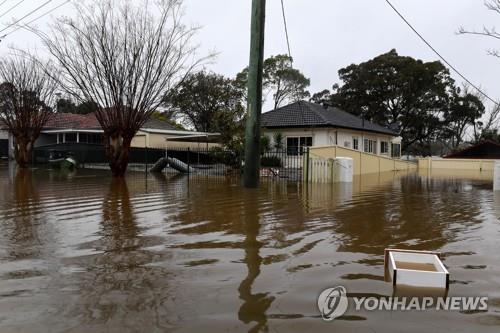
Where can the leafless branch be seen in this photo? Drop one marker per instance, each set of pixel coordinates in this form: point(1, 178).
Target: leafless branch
point(27, 94)
point(123, 57)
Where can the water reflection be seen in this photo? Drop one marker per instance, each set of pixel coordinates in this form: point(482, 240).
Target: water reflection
point(23, 239)
point(83, 252)
point(117, 287)
point(254, 305)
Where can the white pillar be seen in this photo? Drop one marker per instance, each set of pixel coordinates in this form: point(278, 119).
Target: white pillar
point(496, 176)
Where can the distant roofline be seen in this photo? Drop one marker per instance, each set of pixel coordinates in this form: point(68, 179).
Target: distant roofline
point(328, 124)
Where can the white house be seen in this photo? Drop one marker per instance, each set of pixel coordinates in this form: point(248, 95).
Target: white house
point(304, 124)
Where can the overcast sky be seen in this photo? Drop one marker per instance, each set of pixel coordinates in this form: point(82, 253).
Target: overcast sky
point(327, 35)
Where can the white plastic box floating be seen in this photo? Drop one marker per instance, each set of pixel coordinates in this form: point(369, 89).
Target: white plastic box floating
point(416, 269)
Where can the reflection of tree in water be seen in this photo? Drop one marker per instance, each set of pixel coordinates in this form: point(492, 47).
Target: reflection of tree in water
point(254, 306)
point(23, 233)
point(119, 288)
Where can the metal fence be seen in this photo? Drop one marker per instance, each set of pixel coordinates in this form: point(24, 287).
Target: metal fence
point(276, 164)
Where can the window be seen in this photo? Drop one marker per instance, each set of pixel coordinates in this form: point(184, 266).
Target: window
point(355, 143)
point(384, 147)
point(396, 150)
point(70, 137)
point(347, 144)
point(93, 138)
point(61, 137)
point(295, 145)
point(370, 146)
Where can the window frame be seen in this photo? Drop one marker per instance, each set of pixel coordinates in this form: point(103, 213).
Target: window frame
point(355, 143)
point(302, 142)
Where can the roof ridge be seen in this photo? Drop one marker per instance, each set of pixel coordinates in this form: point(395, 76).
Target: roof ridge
point(315, 110)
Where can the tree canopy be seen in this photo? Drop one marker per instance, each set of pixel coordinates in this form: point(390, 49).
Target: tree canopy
point(209, 102)
point(417, 98)
point(285, 83)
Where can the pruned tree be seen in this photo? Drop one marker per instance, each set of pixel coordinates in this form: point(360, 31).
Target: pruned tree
point(123, 57)
point(27, 93)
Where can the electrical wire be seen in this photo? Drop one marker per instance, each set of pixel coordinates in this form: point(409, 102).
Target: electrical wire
point(440, 56)
point(286, 29)
point(35, 19)
point(4, 1)
point(25, 16)
point(11, 8)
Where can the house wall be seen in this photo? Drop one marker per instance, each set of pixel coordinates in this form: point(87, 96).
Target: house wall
point(333, 136)
point(46, 139)
point(456, 164)
point(363, 163)
point(151, 140)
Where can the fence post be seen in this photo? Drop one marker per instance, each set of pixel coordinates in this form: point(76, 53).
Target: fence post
point(189, 161)
point(307, 165)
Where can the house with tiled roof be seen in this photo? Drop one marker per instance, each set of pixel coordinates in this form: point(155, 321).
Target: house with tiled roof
point(304, 124)
point(68, 131)
point(76, 128)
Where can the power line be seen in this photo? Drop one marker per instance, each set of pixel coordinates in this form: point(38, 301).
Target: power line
point(4, 1)
point(35, 19)
point(11, 8)
point(286, 29)
point(25, 16)
point(439, 55)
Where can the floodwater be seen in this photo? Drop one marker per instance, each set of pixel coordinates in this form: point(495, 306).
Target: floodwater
point(85, 253)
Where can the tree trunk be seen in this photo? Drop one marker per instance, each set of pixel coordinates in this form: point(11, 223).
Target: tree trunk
point(117, 150)
point(22, 152)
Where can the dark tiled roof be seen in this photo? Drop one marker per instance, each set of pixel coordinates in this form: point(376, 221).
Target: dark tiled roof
point(159, 125)
point(486, 149)
point(306, 114)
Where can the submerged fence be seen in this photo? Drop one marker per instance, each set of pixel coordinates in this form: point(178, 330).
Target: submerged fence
point(276, 164)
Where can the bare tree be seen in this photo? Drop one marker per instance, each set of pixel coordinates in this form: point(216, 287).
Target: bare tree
point(493, 5)
point(123, 57)
point(27, 93)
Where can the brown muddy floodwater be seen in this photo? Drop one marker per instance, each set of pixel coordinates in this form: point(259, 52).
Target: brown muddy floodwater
point(84, 253)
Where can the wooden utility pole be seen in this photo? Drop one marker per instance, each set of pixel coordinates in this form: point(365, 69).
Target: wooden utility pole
point(255, 68)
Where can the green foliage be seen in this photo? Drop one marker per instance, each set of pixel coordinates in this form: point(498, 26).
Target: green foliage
point(418, 98)
point(163, 116)
point(286, 83)
point(492, 135)
point(271, 162)
point(265, 144)
point(65, 105)
point(278, 140)
point(209, 102)
point(464, 110)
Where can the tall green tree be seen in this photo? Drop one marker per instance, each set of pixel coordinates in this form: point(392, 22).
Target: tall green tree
point(285, 83)
point(398, 92)
point(465, 109)
point(209, 102)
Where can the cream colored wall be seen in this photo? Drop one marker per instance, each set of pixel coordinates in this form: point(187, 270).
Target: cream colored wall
point(150, 140)
point(455, 164)
point(333, 136)
point(363, 163)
